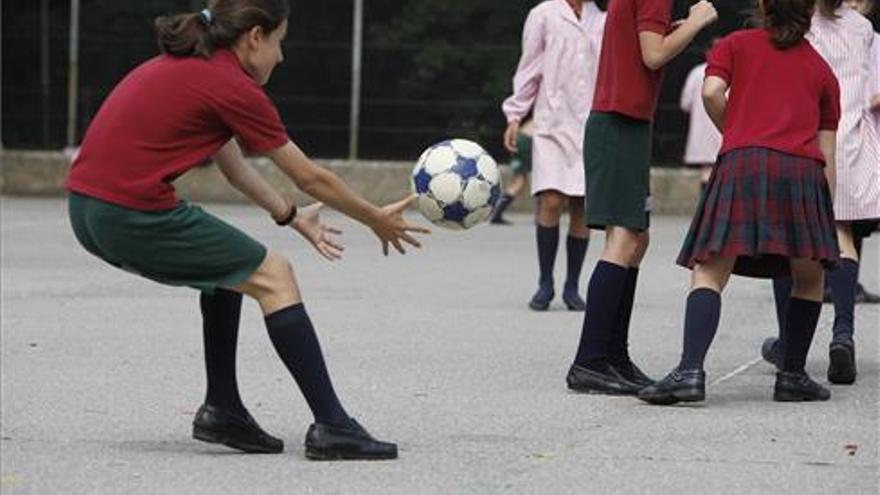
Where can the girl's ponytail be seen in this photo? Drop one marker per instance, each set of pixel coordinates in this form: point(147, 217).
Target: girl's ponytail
point(218, 26)
point(185, 35)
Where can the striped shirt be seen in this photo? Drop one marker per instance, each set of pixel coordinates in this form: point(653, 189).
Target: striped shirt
point(845, 42)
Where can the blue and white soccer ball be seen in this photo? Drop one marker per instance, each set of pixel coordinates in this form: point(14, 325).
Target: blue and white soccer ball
point(457, 183)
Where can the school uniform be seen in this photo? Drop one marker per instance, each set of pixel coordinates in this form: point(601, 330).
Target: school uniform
point(617, 139)
point(556, 78)
point(164, 118)
point(768, 199)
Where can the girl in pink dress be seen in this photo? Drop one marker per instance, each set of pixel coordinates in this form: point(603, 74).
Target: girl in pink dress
point(555, 79)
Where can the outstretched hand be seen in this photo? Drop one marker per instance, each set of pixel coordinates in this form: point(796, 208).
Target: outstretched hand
point(392, 228)
point(322, 237)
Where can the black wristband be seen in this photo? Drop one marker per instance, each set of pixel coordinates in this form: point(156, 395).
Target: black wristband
point(287, 220)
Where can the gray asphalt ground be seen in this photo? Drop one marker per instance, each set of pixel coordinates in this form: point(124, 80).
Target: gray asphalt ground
point(102, 371)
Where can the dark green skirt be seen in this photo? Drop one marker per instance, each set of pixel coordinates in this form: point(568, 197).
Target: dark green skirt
point(617, 168)
point(182, 246)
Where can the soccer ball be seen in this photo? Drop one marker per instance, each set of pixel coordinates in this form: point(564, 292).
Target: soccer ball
point(457, 184)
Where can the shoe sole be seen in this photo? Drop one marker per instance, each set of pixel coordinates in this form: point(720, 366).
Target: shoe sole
point(841, 370)
point(314, 454)
point(601, 391)
point(539, 307)
point(208, 436)
point(788, 396)
point(675, 398)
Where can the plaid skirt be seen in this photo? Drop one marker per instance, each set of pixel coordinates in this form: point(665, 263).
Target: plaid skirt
point(763, 207)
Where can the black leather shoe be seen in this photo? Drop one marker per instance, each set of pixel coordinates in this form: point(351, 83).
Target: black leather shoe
point(328, 443)
point(233, 429)
point(863, 296)
point(607, 382)
point(628, 370)
point(677, 386)
point(541, 300)
point(842, 363)
point(573, 301)
point(798, 386)
point(770, 352)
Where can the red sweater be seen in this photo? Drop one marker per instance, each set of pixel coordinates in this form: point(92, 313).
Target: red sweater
point(167, 116)
point(779, 99)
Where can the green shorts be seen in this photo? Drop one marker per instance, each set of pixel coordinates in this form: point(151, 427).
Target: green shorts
point(182, 246)
point(521, 161)
point(617, 168)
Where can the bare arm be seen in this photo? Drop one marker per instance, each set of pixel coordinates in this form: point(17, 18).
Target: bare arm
point(658, 50)
point(387, 222)
point(828, 145)
point(244, 178)
point(322, 184)
point(715, 100)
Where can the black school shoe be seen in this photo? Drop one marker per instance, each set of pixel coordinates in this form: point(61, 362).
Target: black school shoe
point(233, 429)
point(541, 300)
point(771, 353)
point(842, 363)
point(678, 386)
point(328, 443)
point(573, 300)
point(629, 371)
point(608, 382)
point(797, 387)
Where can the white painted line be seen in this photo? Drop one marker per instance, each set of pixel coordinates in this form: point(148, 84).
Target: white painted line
point(738, 371)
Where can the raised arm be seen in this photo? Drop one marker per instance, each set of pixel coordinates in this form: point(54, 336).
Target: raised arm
point(715, 100)
point(658, 49)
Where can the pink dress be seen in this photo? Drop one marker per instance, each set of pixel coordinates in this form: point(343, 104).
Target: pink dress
point(703, 139)
point(557, 77)
point(875, 73)
point(845, 43)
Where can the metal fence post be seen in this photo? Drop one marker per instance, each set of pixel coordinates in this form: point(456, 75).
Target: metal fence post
point(356, 57)
point(73, 73)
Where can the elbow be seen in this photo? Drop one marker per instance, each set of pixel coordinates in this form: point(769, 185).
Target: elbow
point(652, 61)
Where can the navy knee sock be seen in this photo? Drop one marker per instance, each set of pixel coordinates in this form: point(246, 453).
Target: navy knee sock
point(800, 325)
point(221, 312)
point(548, 243)
point(701, 317)
point(576, 249)
point(604, 297)
point(781, 296)
point(620, 338)
point(843, 292)
point(295, 341)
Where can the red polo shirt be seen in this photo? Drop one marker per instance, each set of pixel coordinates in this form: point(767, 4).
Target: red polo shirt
point(624, 84)
point(779, 99)
point(167, 116)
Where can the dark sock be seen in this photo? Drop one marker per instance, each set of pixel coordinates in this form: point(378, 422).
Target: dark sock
point(502, 205)
point(295, 341)
point(220, 317)
point(843, 292)
point(576, 249)
point(548, 242)
point(781, 295)
point(620, 338)
point(603, 299)
point(800, 326)
point(701, 316)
